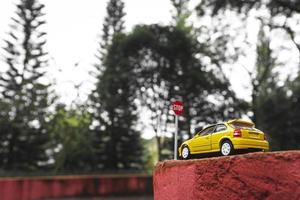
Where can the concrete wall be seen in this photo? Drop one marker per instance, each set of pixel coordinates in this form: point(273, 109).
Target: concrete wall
point(255, 176)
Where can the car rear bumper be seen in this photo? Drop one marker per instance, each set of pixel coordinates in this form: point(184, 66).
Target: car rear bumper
point(242, 143)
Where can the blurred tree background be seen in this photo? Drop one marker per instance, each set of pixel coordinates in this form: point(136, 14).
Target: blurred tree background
point(70, 144)
point(25, 93)
point(116, 143)
point(274, 105)
point(145, 68)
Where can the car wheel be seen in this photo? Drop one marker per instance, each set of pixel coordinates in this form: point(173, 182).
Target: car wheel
point(185, 152)
point(226, 148)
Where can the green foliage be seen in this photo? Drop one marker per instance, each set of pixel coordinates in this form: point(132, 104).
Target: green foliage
point(276, 7)
point(280, 115)
point(25, 97)
point(70, 139)
point(270, 103)
point(150, 154)
point(116, 142)
point(181, 7)
point(274, 107)
point(278, 10)
point(264, 78)
point(113, 24)
point(182, 12)
point(292, 140)
point(274, 119)
point(164, 67)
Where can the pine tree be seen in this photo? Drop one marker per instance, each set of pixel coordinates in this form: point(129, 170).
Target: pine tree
point(116, 142)
point(263, 78)
point(292, 122)
point(24, 91)
point(113, 24)
point(270, 103)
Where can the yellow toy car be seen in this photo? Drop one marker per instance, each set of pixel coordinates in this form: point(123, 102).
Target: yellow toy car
point(225, 138)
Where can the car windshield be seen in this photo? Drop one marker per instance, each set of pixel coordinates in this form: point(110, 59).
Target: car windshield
point(242, 125)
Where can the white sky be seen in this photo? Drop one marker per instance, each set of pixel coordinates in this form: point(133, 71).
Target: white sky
point(74, 28)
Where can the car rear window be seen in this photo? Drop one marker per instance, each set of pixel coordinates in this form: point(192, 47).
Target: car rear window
point(242, 125)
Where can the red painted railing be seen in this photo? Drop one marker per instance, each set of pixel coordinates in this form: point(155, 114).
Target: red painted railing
point(72, 186)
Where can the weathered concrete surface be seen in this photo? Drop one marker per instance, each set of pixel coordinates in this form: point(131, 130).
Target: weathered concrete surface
point(271, 176)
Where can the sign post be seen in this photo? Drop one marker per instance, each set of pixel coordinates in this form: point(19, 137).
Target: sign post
point(177, 107)
point(175, 138)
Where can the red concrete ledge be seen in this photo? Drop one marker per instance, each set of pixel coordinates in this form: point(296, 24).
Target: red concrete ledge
point(36, 188)
point(257, 176)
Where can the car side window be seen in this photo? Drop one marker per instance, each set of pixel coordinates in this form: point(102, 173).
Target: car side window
point(220, 127)
point(207, 131)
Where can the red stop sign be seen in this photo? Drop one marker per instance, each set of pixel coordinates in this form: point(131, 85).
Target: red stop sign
point(177, 107)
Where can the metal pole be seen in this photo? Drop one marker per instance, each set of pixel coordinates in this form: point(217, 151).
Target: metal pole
point(175, 137)
point(158, 125)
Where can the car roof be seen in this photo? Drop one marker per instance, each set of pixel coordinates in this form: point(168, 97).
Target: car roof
point(228, 122)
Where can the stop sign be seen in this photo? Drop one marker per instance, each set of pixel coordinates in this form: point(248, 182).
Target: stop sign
point(177, 107)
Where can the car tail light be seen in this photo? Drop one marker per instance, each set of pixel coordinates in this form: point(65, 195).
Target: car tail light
point(237, 133)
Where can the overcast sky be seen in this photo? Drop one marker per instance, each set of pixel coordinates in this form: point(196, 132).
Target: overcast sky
point(74, 28)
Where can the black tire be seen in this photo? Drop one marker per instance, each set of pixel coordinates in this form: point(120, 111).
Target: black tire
point(185, 152)
point(226, 148)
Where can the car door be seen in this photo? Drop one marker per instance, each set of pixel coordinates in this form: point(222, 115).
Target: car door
point(216, 136)
point(202, 141)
